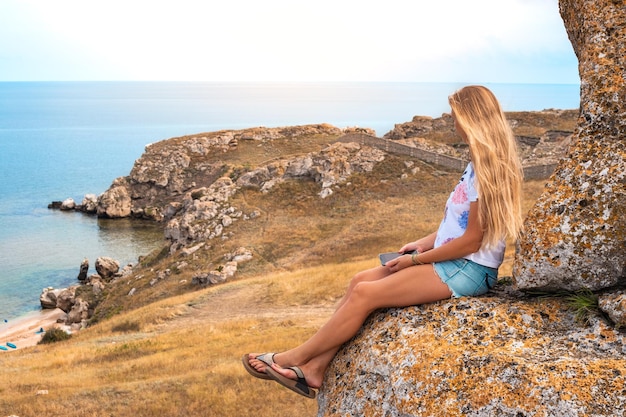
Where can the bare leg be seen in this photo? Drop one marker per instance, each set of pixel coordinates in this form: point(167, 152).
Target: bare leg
point(373, 274)
point(322, 360)
point(410, 286)
point(318, 364)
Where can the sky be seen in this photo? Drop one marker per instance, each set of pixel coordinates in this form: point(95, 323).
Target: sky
point(499, 41)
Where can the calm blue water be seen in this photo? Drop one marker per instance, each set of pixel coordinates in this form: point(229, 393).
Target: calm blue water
point(64, 139)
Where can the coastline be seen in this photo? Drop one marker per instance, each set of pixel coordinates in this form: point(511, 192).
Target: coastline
point(24, 331)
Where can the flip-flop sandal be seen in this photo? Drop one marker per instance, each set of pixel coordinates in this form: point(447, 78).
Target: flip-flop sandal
point(266, 358)
point(298, 386)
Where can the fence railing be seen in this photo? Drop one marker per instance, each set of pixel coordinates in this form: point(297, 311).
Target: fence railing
point(534, 172)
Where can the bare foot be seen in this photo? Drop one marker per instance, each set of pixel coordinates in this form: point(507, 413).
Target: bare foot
point(313, 378)
point(258, 364)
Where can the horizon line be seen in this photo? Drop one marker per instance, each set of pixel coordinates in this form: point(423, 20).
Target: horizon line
point(292, 82)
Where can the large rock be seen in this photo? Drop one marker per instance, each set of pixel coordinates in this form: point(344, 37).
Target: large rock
point(89, 203)
point(48, 298)
point(496, 355)
point(66, 299)
point(68, 204)
point(107, 267)
point(78, 313)
point(575, 235)
point(84, 269)
point(115, 202)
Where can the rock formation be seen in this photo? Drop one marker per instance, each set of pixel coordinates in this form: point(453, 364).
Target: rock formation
point(494, 356)
point(332, 166)
point(205, 212)
point(77, 303)
point(107, 268)
point(576, 235)
point(115, 202)
point(84, 269)
point(170, 169)
point(68, 204)
point(89, 203)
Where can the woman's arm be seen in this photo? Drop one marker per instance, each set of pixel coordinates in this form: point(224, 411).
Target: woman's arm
point(463, 245)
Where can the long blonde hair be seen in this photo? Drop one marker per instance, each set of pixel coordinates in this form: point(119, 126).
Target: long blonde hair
point(493, 150)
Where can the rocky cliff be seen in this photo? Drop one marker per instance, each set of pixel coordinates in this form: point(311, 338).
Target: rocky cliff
point(169, 169)
point(173, 171)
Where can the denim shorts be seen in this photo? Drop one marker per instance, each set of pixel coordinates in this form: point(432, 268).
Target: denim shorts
point(466, 278)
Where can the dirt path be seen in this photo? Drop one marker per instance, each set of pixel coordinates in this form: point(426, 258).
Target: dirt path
point(241, 302)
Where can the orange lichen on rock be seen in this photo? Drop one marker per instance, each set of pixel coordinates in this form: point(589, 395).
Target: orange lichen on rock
point(496, 355)
point(579, 218)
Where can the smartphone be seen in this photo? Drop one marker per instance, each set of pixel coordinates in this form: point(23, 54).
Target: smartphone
point(387, 256)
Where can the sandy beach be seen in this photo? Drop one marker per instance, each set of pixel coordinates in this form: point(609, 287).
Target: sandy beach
point(25, 331)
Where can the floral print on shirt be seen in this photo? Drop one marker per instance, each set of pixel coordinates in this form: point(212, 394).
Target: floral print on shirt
point(463, 218)
point(456, 212)
point(456, 218)
point(460, 194)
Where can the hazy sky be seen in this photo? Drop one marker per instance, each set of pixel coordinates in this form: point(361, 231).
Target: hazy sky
point(286, 40)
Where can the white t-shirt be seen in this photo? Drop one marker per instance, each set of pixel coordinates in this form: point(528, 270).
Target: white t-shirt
point(455, 219)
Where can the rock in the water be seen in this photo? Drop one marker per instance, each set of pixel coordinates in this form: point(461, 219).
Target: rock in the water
point(68, 204)
point(84, 268)
point(107, 267)
point(90, 203)
point(115, 202)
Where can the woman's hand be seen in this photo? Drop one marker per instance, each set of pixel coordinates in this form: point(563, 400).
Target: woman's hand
point(399, 263)
point(421, 245)
point(409, 247)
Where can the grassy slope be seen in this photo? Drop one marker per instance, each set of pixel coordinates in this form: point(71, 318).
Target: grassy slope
point(175, 350)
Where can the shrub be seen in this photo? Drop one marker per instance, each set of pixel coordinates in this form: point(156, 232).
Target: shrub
point(127, 326)
point(584, 303)
point(54, 335)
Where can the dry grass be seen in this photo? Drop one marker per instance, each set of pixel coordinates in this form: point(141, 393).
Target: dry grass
point(181, 356)
point(174, 350)
point(374, 212)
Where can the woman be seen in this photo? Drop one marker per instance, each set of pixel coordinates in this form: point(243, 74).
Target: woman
point(460, 259)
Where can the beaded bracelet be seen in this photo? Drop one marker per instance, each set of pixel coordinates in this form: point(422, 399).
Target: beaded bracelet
point(415, 260)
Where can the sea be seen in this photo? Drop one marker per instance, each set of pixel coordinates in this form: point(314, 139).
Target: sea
point(63, 140)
